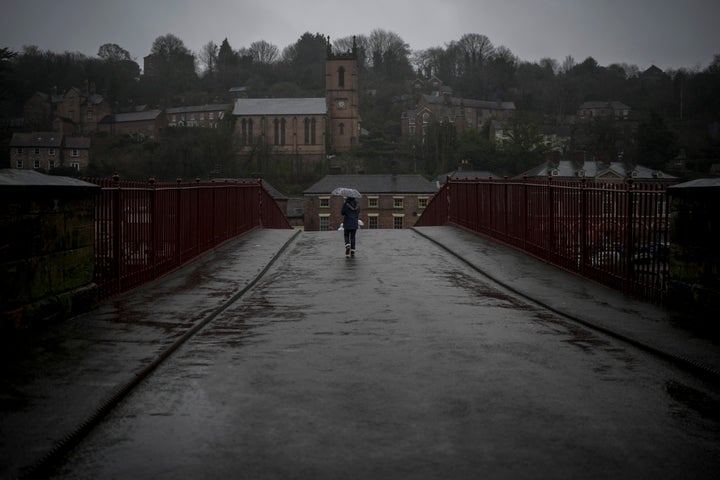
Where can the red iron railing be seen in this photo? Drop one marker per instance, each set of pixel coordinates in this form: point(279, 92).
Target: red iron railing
point(614, 233)
point(145, 230)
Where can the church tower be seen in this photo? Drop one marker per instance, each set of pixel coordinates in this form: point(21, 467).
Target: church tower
point(341, 96)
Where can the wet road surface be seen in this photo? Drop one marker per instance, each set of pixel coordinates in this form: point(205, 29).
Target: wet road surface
point(402, 363)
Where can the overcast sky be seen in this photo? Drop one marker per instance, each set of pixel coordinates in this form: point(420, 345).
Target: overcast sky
point(666, 33)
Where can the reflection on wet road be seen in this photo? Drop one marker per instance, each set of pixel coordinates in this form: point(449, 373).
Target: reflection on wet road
point(402, 363)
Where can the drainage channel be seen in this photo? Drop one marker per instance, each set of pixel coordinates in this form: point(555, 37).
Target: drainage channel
point(43, 467)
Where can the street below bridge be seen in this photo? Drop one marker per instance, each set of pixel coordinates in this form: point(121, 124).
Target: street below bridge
point(402, 362)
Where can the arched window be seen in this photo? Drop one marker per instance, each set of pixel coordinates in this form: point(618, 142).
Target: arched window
point(243, 138)
point(282, 132)
point(342, 129)
point(341, 77)
point(307, 130)
point(276, 128)
point(250, 131)
point(313, 131)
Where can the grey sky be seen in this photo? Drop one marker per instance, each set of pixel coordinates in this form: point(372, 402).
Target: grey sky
point(666, 33)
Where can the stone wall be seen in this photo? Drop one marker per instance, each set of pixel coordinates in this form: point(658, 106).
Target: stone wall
point(47, 229)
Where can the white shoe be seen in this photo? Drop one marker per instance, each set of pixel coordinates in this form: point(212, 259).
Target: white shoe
point(347, 250)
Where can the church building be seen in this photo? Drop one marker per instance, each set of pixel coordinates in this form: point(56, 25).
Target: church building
point(309, 129)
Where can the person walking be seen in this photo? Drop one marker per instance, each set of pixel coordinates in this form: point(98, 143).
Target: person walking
point(351, 216)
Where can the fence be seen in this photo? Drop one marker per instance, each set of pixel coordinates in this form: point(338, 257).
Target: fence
point(145, 230)
point(613, 233)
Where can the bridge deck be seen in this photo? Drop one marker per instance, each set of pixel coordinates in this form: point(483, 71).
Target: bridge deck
point(59, 377)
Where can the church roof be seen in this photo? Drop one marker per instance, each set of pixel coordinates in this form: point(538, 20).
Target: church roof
point(280, 106)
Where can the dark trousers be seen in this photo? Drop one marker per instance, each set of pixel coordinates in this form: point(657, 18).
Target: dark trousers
point(350, 238)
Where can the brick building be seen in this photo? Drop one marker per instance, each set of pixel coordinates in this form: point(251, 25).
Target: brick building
point(306, 128)
point(144, 124)
point(48, 150)
point(207, 116)
point(464, 113)
point(388, 201)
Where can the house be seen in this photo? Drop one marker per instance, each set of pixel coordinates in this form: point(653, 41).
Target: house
point(464, 114)
point(304, 128)
point(208, 116)
point(388, 201)
point(552, 136)
point(36, 150)
point(594, 109)
point(83, 109)
point(597, 171)
point(144, 124)
point(76, 152)
point(48, 150)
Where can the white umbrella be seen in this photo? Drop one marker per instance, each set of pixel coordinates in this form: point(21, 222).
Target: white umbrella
point(346, 192)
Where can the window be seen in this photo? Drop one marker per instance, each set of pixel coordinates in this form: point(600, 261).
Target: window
point(372, 202)
point(276, 129)
point(75, 165)
point(36, 164)
point(422, 202)
point(398, 221)
point(342, 129)
point(211, 116)
point(51, 151)
point(324, 202)
point(372, 221)
point(312, 131)
point(397, 202)
point(307, 131)
point(18, 163)
point(51, 164)
point(341, 77)
point(19, 151)
point(283, 124)
point(247, 131)
point(324, 222)
point(36, 151)
point(74, 152)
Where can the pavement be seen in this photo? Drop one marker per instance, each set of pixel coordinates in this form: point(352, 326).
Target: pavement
point(61, 379)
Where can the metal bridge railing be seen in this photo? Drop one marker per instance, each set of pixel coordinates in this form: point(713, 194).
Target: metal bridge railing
point(613, 233)
point(145, 230)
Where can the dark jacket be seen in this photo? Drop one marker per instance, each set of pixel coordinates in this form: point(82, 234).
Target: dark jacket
point(351, 212)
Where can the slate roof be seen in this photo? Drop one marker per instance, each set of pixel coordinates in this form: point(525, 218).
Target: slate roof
point(11, 177)
point(133, 116)
point(613, 105)
point(77, 142)
point(198, 108)
point(280, 106)
point(466, 175)
point(372, 184)
point(594, 169)
point(704, 184)
point(467, 102)
point(36, 139)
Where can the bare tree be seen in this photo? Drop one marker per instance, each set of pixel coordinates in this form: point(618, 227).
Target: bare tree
point(264, 52)
point(568, 64)
point(208, 57)
point(113, 52)
point(168, 45)
point(476, 48)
